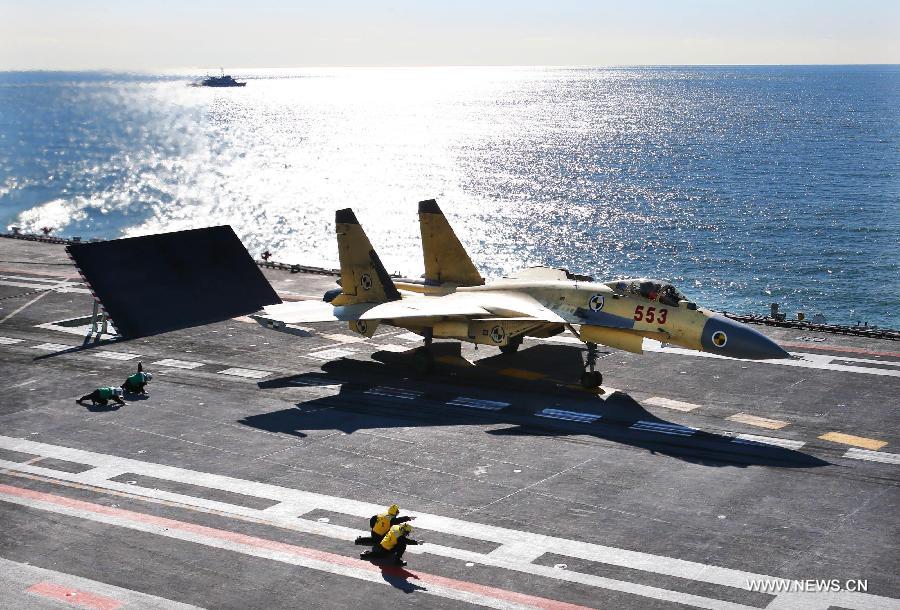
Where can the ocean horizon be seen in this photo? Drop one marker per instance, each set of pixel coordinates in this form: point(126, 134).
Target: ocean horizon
point(743, 185)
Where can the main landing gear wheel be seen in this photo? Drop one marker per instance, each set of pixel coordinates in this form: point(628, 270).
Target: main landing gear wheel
point(512, 346)
point(591, 379)
point(423, 360)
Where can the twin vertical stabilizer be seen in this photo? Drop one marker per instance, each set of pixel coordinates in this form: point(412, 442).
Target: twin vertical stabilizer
point(363, 277)
point(446, 261)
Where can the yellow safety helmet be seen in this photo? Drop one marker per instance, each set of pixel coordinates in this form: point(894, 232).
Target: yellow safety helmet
point(405, 528)
point(393, 510)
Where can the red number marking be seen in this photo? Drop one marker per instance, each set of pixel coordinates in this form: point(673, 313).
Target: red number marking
point(639, 313)
point(650, 315)
point(663, 314)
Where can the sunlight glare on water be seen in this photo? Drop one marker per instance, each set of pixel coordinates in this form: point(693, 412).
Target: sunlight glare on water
point(743, 185)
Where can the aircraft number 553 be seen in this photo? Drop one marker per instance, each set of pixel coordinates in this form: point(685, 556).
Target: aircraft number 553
point(651, 314)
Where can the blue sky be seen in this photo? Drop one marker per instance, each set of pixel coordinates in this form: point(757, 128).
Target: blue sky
point(56, 34)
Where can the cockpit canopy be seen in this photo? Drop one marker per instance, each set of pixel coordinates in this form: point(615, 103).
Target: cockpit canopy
point(655, 290)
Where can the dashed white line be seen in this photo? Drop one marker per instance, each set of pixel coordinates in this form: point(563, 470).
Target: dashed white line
point(342, 338)
point(331, 354)
point(116, 355)
point(248, 373)
point(668, 403)
point(395, 392)
point(872, 456)
point(477, 403)
point(53, 347)
point(587, 418)
point(9, 341)
point(752, 439)
point(663, 428)
point(177, 364)
point(409, 337)
point(393, 347)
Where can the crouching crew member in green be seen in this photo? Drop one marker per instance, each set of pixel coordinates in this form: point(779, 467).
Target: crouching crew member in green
point(101, 396)
point(135, 383)
point(380, 524)
point(393, 544)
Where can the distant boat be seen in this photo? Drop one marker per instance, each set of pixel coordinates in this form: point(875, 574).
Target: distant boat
point(225, 80)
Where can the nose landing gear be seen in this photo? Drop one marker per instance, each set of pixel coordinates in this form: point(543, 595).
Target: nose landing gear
point(591, 379)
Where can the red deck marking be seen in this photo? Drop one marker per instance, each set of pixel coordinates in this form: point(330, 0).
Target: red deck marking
point(282, 547)
point(849, 350)
point(75, 597)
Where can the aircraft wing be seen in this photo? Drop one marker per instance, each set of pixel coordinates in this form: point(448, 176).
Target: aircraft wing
point(299, 312)
point(468, 305)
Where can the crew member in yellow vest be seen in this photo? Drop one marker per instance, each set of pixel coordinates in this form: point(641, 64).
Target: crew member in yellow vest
point(393, 544)
point(381, 523)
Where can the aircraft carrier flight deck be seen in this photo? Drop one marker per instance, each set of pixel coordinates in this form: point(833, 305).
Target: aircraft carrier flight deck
point(244, 476)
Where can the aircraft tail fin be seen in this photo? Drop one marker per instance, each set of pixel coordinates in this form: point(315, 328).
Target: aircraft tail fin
point(363, 276)
point(446, 261)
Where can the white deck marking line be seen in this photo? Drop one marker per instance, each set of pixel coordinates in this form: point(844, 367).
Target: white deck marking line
point(663, 428)
point(342, 338)
point(668, 403)
point(759, 422)
point(53, 347)
point(248, 373)
point(587, 418)
point(116, 355)
point(41, 280)
point(323, 561)
point(395, 392)
point(392, 347)
point(752, 439)
point(809, 361)
point(872, 456)
point(108, 466)
point(177, 364)
point(21, 576)
point(9, 341)
point(25, 306)
point(477, 403)
point(408, 337)
point(868, 360)
point(331, 353)
point(35, 287)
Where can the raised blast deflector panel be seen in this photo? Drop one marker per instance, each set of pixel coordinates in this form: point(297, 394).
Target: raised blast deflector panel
point(157, 283)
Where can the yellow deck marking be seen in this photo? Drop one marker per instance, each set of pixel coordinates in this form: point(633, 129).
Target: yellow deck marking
point(856, 441)
point(521, 374)
point(759, 422)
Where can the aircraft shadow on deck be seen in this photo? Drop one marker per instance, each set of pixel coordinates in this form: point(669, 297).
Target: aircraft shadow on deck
point(617, 412)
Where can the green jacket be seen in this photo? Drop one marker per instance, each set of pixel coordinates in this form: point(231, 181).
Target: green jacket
point(136, 379)
point(106, 393)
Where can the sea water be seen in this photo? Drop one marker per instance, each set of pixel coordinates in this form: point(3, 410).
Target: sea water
point(744, 186)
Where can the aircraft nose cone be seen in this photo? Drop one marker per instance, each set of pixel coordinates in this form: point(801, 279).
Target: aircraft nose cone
point(727, 337)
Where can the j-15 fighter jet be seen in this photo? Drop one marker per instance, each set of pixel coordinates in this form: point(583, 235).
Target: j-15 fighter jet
point(158, 283)
point(453, 301)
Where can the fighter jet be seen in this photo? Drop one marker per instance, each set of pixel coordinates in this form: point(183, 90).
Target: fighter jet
point(453, 301)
